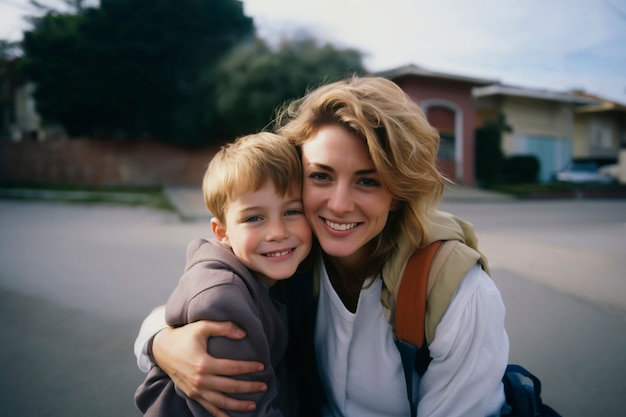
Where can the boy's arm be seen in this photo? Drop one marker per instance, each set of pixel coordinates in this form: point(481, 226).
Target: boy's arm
point(182, 354)
point(231, 301)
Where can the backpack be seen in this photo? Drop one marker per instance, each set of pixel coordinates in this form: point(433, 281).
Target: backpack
point(522, 389)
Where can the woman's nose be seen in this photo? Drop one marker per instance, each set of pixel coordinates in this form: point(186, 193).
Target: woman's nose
point(340, 200)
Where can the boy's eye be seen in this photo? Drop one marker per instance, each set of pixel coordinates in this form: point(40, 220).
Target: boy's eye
point(293, 212)
point(252, 219)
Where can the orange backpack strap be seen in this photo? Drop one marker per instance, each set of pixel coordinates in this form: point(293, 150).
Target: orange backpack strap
point(410, 310)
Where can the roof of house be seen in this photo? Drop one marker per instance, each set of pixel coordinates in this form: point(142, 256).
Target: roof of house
point(601, 104)
point(507, 90)
point(415, 70)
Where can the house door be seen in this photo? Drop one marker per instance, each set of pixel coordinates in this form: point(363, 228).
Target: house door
point(553, 153)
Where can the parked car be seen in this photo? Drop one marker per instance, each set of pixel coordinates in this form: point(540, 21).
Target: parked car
point(584, 172)
point(611, 170)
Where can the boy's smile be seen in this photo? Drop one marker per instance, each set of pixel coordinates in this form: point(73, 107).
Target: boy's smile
point(267, 232)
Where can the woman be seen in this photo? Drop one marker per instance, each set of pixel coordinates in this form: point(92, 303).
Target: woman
point(369, 192)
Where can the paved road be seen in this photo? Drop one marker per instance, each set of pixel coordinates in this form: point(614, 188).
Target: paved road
point(76, 281)
point(561, 267)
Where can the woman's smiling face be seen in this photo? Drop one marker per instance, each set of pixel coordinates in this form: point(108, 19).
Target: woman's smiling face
point(343, 198)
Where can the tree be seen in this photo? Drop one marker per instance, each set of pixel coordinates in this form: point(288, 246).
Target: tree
point(129, 68)
point(77, 6)
point(253, 80)
point(8, 82)
point(488, 150)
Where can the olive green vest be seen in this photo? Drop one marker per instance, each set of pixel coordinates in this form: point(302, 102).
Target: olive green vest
point(463, 256)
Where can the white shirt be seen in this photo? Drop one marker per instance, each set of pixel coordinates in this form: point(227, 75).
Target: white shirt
point(470, 353)
point(358, 361)
point(361, 368)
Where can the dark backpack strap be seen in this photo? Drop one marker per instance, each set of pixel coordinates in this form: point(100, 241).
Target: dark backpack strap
point(522, 390)
point(413, 359)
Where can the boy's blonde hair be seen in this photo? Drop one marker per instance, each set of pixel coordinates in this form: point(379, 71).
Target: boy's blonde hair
point(246, 165)
point(402, 144)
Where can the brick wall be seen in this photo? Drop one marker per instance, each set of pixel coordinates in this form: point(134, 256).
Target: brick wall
point(102, 163)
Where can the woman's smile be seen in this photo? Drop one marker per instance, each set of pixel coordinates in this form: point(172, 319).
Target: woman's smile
point(340, 226)
point(343, 192)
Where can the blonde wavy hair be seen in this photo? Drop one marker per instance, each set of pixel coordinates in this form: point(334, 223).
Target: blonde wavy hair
point(246, 164)
point(402, 144)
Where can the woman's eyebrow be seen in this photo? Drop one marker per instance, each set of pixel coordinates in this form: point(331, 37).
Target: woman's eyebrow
point(366, 171)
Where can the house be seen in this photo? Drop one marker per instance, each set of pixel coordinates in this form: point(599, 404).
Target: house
point(599, 128)
point(600, 131)
point(542, 122)
point(26, 121)
point(447, 101)
point(20, 119)
point(554, 126)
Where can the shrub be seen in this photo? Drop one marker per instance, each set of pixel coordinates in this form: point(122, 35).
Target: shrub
point(520, 169)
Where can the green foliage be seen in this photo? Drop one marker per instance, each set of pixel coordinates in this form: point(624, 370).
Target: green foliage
point(492, 167)
point(521, 169)
point(5, 81)
point(488, 154)
point(253, 80)
point(488, 150)
point(184, 71)
point(55, 36)
point(9, 80)
point(130, 67)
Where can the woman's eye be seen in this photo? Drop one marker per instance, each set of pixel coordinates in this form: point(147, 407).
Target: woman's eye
point(369, 182)
point(318, 176)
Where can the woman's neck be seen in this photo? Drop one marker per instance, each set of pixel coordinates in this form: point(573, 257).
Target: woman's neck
point(347, 277)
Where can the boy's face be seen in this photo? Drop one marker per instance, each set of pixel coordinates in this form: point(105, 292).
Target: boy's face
point(267, 232)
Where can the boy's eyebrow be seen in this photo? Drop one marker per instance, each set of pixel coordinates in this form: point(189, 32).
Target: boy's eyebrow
point(329, 168)
point(259, 208)
point(252, 206)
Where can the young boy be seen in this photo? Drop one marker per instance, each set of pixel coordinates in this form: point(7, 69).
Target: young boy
point(252, 188)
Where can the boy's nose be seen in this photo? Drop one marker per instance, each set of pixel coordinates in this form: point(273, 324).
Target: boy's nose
point(278, 231)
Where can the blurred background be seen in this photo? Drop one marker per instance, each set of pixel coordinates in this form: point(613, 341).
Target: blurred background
point(119, 105)
point(139, 93)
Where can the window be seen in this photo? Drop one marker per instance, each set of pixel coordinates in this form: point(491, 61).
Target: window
point(446, 147)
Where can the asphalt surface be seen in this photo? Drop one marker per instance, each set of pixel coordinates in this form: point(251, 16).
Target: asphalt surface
point(76, 281)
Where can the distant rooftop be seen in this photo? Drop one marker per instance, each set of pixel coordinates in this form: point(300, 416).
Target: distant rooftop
point(507, 90)
point(412, 69)
point(601, 104)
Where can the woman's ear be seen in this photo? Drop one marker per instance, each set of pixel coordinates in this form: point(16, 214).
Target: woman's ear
point(219, 231)
point(395, 205)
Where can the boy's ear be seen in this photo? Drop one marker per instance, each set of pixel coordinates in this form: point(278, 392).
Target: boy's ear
point(219, 231)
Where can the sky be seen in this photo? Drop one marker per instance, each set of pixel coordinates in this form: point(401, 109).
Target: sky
point(556, 45)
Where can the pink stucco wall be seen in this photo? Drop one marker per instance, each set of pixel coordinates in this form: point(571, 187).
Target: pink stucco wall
point(425, 89)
